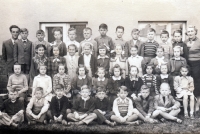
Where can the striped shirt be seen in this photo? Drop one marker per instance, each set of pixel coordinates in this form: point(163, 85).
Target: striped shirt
point(150, 81)
point(149, 49)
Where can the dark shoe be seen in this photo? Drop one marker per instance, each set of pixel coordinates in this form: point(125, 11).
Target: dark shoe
point(64, 122)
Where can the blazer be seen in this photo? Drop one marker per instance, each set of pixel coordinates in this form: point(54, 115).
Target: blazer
point(23, 53)
point(172, 63)
point(128, 45)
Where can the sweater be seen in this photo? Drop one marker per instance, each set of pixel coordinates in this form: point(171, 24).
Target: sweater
point(113, 85)
point(148, 49)
point(184, 49)
point(103, 105)
point(194, 50)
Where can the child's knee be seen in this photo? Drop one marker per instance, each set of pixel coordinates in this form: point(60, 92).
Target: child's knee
point(185, 97)
point(70, 115)
point(135, 111)
point(157, 111)
point(68, 111)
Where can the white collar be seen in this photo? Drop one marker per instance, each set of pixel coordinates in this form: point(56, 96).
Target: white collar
point(42, 76)
point(24, 40)
point(151, 41)
point(132, 78)
point(85, 99)
point(119, 38)
point(99, 57)
point(114, 78)
point(162, 58)
point(58, 97)
point(88, 56)
point(54, 43)
point(101, 79)
point(88, 39)
point(82, 77)
point(13, 101)
point(13, 41)
point(163, 76)
point(177, 58)
point(137, 56)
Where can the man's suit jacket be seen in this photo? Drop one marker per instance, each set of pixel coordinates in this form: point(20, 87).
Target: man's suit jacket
point(129, 44)
point(23, 53)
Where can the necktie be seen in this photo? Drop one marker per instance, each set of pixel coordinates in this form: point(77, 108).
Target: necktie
point(24, 42)
point(164, 100)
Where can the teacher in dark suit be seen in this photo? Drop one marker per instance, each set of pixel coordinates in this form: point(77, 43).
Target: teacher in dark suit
point(8, 47)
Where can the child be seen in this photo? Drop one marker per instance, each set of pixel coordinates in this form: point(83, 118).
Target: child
point(72, 60)
point(178, 42)
point(102, 108)
point(12, 110)
point(165, 105)
point(37, 108)
point(184, 87)
point(44, 81)
point(168, 51)
point(38, 60)
point(40, 36)
point(133, 82)
point(134, 42)
point(103, 60)
point(124, 113)
point(120, 60)
point(119, 40)
point(150, 80)
point(22, 51)
point(18, 81)
point(87, 33)
point(144, 104)
point(82, 108)
point(148, 49)
point(88, 60)
point(104, 39)
point(58, 42)
point(59, 106)
point(114, 83)
point(159, 60)
point(54, 61)
point(177, 62)
point(62, 78)
point(135, 60)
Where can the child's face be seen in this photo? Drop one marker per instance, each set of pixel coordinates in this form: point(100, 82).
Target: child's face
point(164, 90)
point(40, 37)
point(177, 52)
point(184, 71)
point(101, 95)
point(81, 71)
point(38, 94)
point(42, 70)
point(103, 31)
point(145, 93)
point(57, 35)
point(163, 69)
point(85, 93)
point(15, 33)
point(116, 72)
point(135, 35)
point(72, 35)
point(13, 95)
point(150, 36)
point(102, 52)
point(101, 73)
point(164, 37)
point(133, 51)
point(87, 50)
point(123, 94)
point(55, 51)
point(40, 51)
point(61, 70)
point(17, 69)
point(87, 34)
point(159, 52)
point(24, 35)
point(133, 71)
point(72, 50)
point(177, 37)
point(119, 33)
point(59, 92)
point(149, 70)
point(118, 50)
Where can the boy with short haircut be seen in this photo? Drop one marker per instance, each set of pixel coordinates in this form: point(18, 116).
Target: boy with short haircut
point(87, 33)
point(82, 110)
point(58, 42)
point(18, 82)
point(40, 35)
point(37, 108)
point(148, 49)
point(13, 110)
point(133, 42)
point(22, 51)
point(104, 39)
point(59, 106)
point(165, 105)
point(119, 40)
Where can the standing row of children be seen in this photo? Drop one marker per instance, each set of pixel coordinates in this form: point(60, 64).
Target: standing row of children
point(117, 74)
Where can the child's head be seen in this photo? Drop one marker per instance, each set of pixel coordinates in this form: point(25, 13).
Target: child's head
point(119, 31)
point(61, 69)
point(149, 68)
point(177, 35)
point(184, 70)
point(59, 90)
point(177, 51)
point(164, 36)
point(118, 49)
point(87, 48)
point(163, 69)
point(134, 50)
point(72, 33)
point(17, 68)
point(122, 93)
point(24, 33)
point(135, 33)
point(42, 69)
point(87, 33)
point(103, 29)
point(39, 49)
point(101, 72)
point(40, 35)
point(160, 51)
point(116, 70)
point(72, 49)
point(13, 94)
point(81, 70)
point(15, 31)
point(39, 92)
point(150, 34)
point(85, 91)
point(55, 51)
point(101, 93)
point(102, 50)
point(165, 89)
point(57, 33)
point(144, 91)
point(133, 70)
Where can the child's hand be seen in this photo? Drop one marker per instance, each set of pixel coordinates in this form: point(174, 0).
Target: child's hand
point(162, 109)
point(59, 118)
point(134, 96)
point(76, 115)
point(55, 118)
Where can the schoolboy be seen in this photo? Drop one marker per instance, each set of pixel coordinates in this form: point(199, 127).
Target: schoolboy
point(119, 40)
point(22, 51)
point(37, 108)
